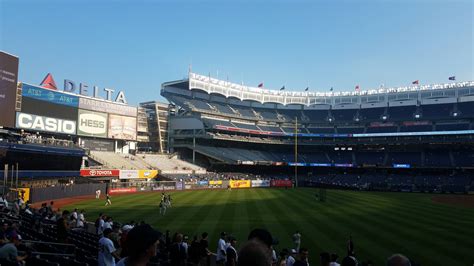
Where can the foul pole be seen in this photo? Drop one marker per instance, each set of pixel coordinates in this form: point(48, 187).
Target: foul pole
point(296, 151)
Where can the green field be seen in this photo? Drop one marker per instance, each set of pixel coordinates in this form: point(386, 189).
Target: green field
point(380, 223)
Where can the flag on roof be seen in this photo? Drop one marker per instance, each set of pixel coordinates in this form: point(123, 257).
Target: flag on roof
point(452, 78)
point(260, 85)
point(307, 89)
point(416, 82)
point(282, 88)
point(331, 89)
point(357, 88)
point(48, 82)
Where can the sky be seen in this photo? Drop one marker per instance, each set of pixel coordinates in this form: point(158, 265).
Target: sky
point(135, 46)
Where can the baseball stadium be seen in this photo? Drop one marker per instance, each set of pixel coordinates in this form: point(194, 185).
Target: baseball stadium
point(236, 133)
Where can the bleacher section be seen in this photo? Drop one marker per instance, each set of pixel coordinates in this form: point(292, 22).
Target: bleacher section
point(119, 161)
point(170, 164)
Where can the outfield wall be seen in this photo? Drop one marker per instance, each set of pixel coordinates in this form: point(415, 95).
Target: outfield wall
point(61, 192)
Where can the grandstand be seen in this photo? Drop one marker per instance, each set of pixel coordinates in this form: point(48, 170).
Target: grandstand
point(425, 127)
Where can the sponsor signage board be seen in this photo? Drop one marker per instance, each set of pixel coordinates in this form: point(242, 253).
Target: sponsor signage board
point(147, 173)
point(281, 183)
point(401, 165)
point(128, 174)
point(99, 173)
point(203, 183)
point(239, 183)
point(70, 86)
point(43, 123)
point(8, 87)
point(92, 124)
point(48, 109)
point(47, 95)
point(179, 185)
point(122, 190)
point(98, 144)
point(320, 164)
point(107, 107)
point(122, 127)
point(260, 183)
point(215, 182)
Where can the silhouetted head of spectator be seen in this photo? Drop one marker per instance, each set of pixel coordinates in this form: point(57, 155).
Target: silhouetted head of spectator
point(142, 243)
point(325, 258)
point(349, 261)
point(107, 232)
point(398, 260)
point(255, 253)
point(66, 214)
point(334, 257)
point(303, 254)
point(204, 235)
point(261, 235)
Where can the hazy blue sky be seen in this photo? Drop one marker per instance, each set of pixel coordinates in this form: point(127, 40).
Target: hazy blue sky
point(137, 45)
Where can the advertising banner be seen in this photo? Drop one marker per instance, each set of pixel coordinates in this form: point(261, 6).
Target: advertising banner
point(38, 107)
point(107, 107)
point(91, 124)
point(43, 123)
point(99, 173)
point(281, 183)
point(203, 183)
point(260, 183)
point(8, 83)
point(179, 185)
point(122, 190)
point(401, 165)
point(239, 183)
point(23, 193)
point(98, 145)
point(50, 96)
point(122, 127)
point(147, 173)
point(215, 182)
point(128, 174)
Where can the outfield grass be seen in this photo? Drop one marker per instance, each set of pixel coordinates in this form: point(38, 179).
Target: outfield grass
point(380, 223)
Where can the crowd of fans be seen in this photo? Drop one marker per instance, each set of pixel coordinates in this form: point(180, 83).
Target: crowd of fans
point(137, 243)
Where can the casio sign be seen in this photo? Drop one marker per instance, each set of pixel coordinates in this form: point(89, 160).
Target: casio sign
point(92, 123)
point(43, 123)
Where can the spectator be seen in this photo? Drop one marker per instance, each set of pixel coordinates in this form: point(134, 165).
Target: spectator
point(325, 259)
point(221, 250)
point(107, 251)
point(123, 239)
point(231, 252)
point(99, 224)
point(204, 250)
point(62, 227)
point(334, 258)
point(142, 243)
point(194, 252)
point(80, 220)
point(349, 261)
point(9, 251)
point(177, 252)
point(297, 240)
point(291, 258)
point(283, 257)
point(398, 260)
point(254, 253)
point(302, 258)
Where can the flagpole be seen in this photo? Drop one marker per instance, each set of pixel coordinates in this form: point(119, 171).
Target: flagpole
point(296, 151)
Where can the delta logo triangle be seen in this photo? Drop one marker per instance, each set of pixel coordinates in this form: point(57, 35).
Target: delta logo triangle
point(48, 82)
